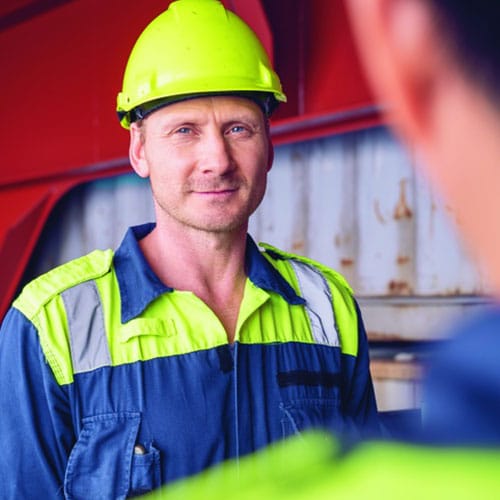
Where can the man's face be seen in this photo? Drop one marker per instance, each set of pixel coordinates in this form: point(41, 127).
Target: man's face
point(207, 160)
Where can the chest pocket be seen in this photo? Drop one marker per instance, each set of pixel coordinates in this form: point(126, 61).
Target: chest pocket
point(106, 463)
point(310, 399)
point(300, 415)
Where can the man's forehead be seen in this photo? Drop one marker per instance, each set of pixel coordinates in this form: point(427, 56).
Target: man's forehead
point(220, 104)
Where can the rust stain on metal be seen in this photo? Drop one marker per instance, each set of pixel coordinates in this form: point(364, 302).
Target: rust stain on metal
point(378, 212)
point(340, 240)
point(402, 210)
point(297, 246)
point(346, 262)
point(403, 259)
point(399, 287)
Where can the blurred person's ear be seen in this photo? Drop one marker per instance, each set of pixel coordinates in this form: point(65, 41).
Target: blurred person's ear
point(435, 104)
point(403, 59)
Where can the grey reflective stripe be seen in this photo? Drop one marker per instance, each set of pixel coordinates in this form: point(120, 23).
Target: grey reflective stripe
point(319, 306)
point(89, 345)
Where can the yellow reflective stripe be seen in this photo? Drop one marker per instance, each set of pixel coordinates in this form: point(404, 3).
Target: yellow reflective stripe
point(346, 317)
point(41, 290)
point(53, 333)
point(41, 303)
point(344, 308)
point(272, 321)
point(174, 323)
point(253, 298)
point(179, 323)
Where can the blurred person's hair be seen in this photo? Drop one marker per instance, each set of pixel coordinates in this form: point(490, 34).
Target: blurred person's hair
point(472, 28)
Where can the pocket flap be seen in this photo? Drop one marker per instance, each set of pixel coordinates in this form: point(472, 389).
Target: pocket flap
point(146, 326)
point(99, 464)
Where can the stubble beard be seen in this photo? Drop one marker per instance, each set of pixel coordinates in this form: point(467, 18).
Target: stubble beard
point(217, 219)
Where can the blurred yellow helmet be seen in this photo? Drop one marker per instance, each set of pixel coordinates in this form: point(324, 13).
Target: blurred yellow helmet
point(196, 48)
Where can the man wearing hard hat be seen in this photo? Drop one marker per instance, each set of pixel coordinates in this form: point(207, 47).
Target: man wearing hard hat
point(188, 345)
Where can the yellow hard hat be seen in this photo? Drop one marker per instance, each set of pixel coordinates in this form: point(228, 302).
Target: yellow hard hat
point(195, 48)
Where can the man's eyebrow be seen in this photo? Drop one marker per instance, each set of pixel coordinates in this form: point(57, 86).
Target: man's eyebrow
point(174, 120)
point(244, 117)
point(197, 117)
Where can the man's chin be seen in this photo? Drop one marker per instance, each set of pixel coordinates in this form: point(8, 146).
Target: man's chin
point(222, 225)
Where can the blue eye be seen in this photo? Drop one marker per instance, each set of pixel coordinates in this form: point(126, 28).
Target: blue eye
point(184, 130)
point(237, 128)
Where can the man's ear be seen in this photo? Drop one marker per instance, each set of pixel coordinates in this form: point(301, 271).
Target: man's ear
point(402, 56)
point(270, 155)
point(137, 151)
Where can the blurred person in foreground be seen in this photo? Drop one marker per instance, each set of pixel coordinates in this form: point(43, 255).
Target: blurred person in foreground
point(435, 65)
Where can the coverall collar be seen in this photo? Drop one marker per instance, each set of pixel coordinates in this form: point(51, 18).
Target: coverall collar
point(139, 285)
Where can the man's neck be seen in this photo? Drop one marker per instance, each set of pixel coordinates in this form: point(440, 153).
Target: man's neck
point(210, 265)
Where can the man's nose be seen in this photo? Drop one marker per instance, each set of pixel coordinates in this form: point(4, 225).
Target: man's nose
point(217, 156)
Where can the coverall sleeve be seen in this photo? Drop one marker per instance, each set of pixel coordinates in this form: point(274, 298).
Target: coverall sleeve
point(461, 388)
point(359, 396)
point(35, 422)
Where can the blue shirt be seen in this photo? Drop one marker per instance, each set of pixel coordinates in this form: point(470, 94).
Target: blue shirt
point(462, 386)
point(157, 393)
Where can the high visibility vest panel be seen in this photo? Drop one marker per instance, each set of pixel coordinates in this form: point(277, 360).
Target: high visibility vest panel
point(86, 307)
